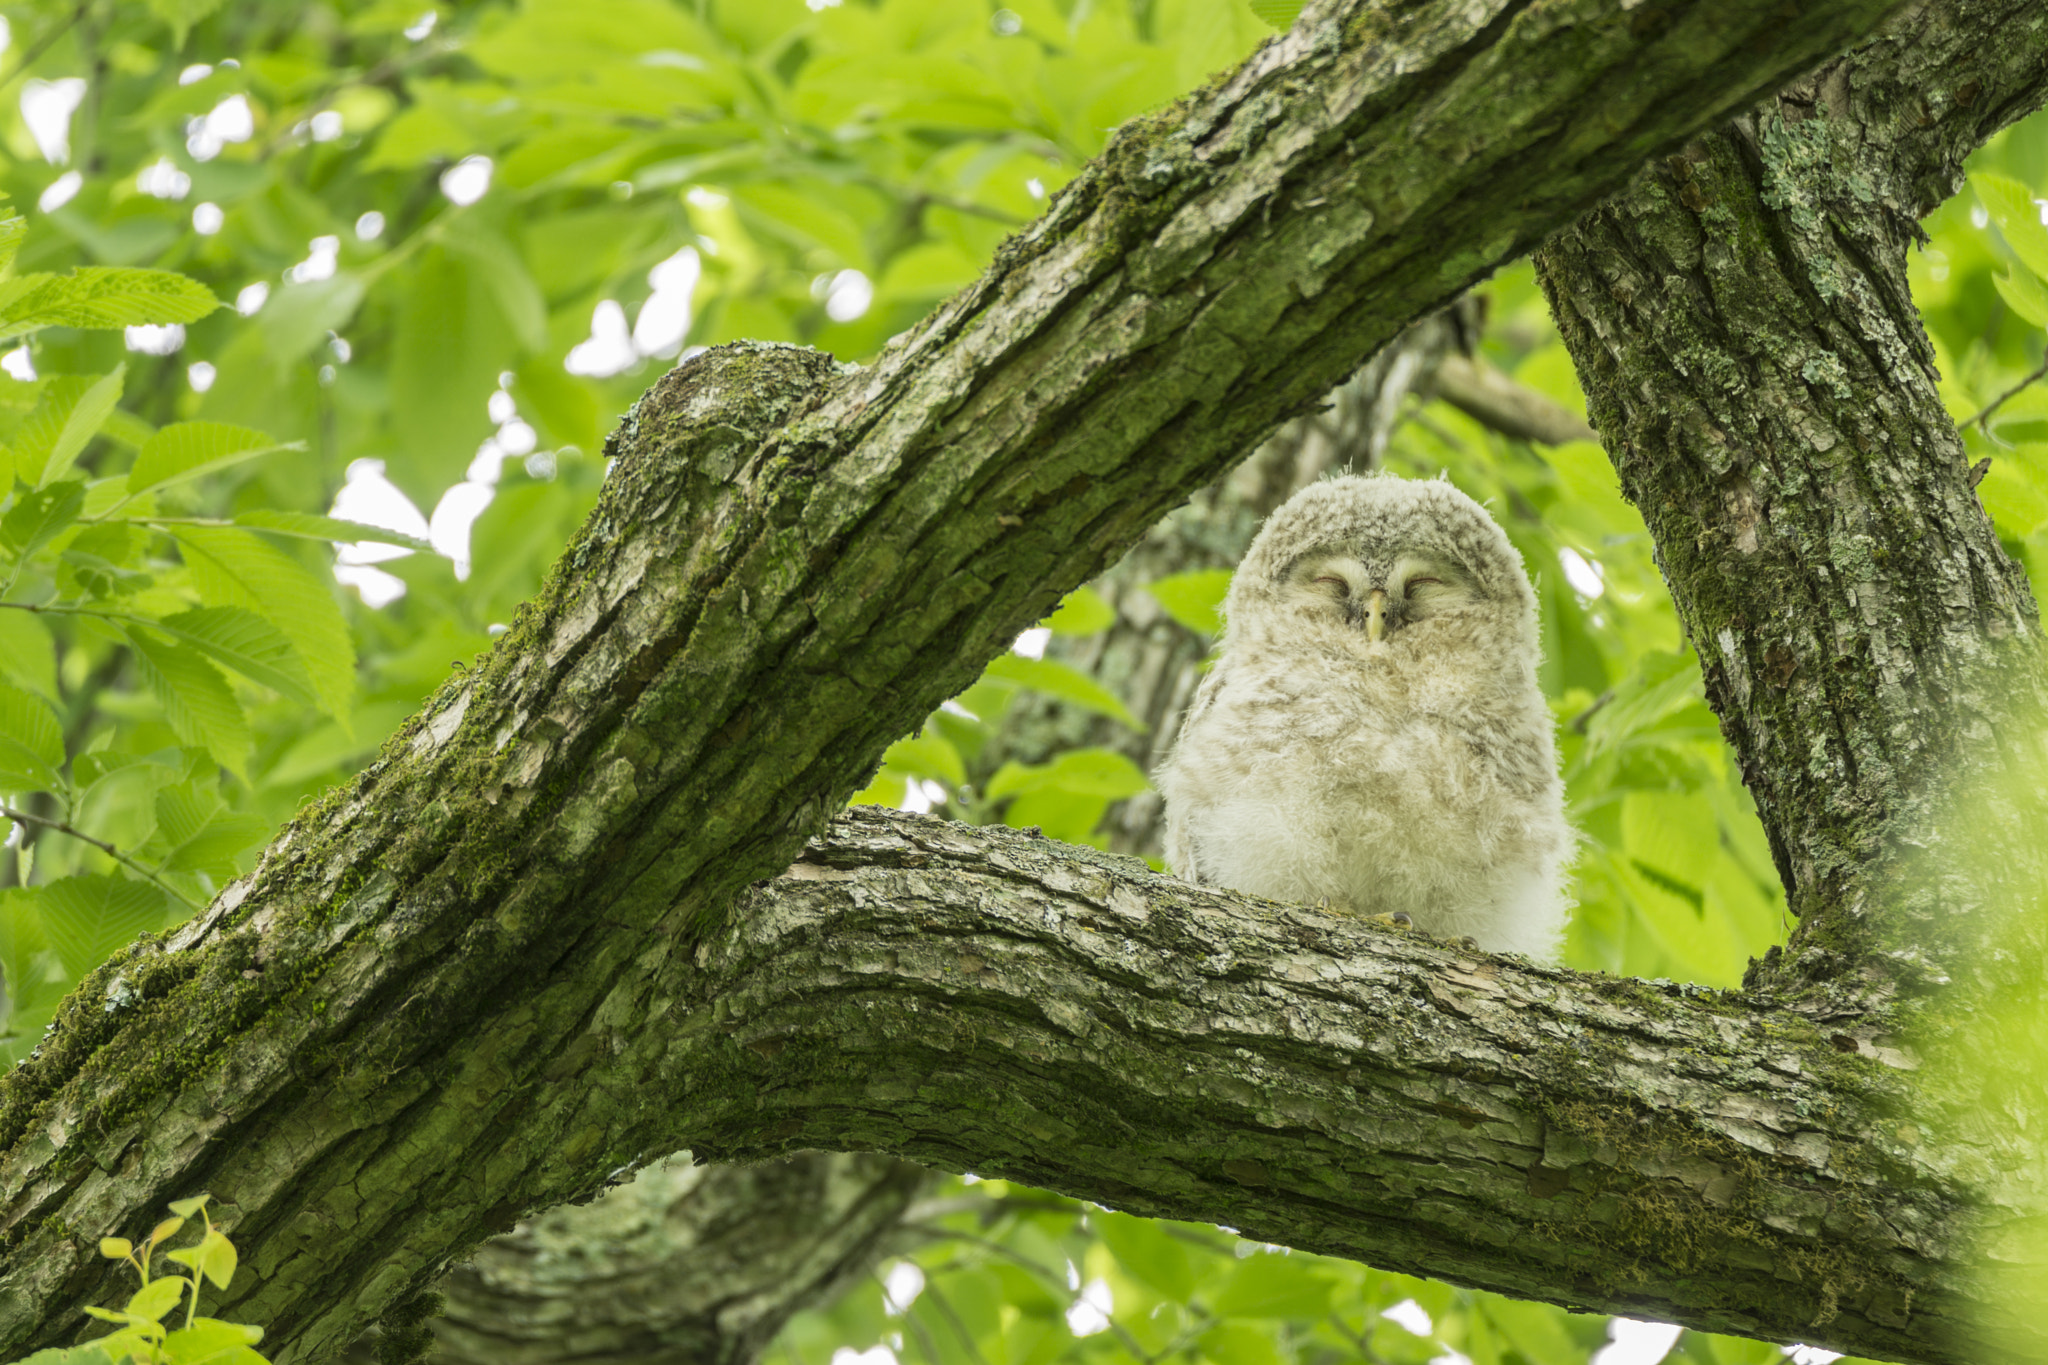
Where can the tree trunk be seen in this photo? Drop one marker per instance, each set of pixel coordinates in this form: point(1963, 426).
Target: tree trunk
point(497, 968)
point(1741, 322)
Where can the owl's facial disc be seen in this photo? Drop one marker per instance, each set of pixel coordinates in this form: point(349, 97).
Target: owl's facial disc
point(1379, 597)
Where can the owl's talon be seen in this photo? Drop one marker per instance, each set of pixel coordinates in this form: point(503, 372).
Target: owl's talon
point(1401, 919)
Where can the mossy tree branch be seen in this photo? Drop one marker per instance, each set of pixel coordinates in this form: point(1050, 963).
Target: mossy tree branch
point(467, 985)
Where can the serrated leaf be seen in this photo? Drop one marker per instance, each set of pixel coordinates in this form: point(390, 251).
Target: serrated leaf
point(70, 413)
point(31, 742)
point(1195, 599)
point(200, 834)
point(101, 296)
point(191, 450)
point(41, 516)
point(239, 639)
point(88, 917)
point(233, 567)
point(1065, 682)
point(306, 526)
point(196, 699)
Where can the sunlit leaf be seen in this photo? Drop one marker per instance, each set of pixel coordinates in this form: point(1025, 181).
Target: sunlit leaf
point(190, 450)
point(101, 296)
point(1195, 599)
point(1064, 681)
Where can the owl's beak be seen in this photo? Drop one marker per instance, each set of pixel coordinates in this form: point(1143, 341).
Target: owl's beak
point(1376, 616)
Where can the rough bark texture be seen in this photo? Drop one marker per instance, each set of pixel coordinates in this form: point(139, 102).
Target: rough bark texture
point(486, 975)
point(1751, 354)
point(1072, 1020)
point(684, 1265)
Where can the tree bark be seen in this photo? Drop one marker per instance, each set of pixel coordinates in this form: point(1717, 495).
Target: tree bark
point(471, 983)
point(1751, 354)
point(1071, 1020)
point(685, 1265)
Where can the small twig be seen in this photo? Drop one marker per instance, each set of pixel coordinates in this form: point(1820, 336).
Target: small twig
point(1578, 722)
point(62, 827)
point(2040, 373)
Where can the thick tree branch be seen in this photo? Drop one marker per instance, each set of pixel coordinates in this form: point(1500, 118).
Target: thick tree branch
point(452, 992)
point(1069, 1019)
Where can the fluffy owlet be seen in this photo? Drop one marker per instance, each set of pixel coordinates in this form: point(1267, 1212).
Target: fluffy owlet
point(1372, 733)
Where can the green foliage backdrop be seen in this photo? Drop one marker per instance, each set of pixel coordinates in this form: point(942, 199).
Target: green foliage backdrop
point(454, 241)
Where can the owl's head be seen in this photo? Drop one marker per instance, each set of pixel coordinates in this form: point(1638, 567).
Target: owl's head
point(1379, 555)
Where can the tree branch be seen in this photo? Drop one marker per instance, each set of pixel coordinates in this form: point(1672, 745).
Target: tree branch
point(1071, 1020)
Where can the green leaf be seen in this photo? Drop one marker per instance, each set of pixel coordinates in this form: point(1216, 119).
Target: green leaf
point(2011, 206)
point(185, 1208)
point(243, 641)
point(2024, 294)
point(157, 1298)
point(502, 272)
point(1083, 613)
point(31, 742)
point(1102, 773)
point(1152, 1255)
point(215, 1258)
point(210, 1341)
point(451, 342)
point(180, 15)
point(195, 698)
point(1280, 14)
point(298, 317)
point(307, 526)
point(39, 517)
point(89, 917)
point(190, 450)
point(201, 834)
point(1065, 682)
point(102, 297)
point(28, 652)
point(13, 232)
point(233, 567)
point(926, 754)
point(1195, 599)
point(1271, 1285)
point(72, 410)
point(92, 1353)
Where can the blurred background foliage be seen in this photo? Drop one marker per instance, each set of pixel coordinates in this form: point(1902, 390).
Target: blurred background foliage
point(454, 241)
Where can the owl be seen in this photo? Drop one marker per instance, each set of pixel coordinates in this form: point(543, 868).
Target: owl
point(1371, 734)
